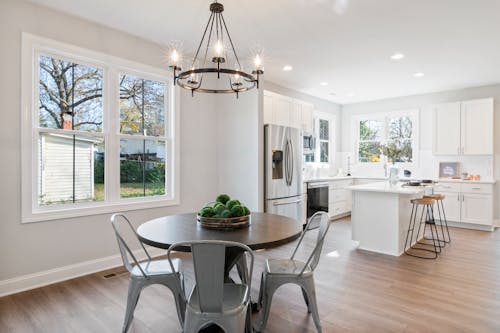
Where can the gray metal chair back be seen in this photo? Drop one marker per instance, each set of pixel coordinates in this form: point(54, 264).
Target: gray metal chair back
point(320, 221)
point(125, 251)
point(208, 262)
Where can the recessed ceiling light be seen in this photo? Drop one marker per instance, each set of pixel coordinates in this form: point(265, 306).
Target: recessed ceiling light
point(397, 56)
point(324, 84)
point(419, 74)
point(287, 68)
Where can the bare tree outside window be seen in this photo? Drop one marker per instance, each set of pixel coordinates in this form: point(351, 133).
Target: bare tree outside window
point(71, 166)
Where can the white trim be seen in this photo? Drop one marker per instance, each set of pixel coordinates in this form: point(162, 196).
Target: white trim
point(40, 279)
point(111, 66)
point(332, 126)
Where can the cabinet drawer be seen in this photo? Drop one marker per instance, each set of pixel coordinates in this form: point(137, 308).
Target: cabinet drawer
point(477, 188)
point(447, 187)
point(339, 195)
point(338, 208)
point(340, 184)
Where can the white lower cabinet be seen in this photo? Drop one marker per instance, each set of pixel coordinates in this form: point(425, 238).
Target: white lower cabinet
point(339, 199)
point(468, 203)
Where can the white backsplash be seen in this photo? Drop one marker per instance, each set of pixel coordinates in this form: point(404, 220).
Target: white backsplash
point(427, 166)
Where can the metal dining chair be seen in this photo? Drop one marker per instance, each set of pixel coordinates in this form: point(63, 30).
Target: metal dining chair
point(148, 272)
point(282, 271)
point(212, 301)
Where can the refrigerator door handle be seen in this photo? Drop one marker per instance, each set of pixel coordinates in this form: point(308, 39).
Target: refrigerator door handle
point(292, 161)
point(286, 203)
point(287, 163)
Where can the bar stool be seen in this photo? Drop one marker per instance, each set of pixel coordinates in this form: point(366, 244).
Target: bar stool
point(426, 218)
point(442, 216)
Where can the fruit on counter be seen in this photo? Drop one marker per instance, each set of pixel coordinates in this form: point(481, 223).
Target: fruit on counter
point(224, 207)
point(223, 198)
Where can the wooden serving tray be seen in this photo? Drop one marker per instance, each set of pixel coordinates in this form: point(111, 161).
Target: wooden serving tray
point(224, 223)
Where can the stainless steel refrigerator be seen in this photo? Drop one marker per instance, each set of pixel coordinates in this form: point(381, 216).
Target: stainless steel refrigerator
point(283, 171)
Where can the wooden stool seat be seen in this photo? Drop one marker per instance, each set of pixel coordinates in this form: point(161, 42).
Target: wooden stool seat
point(437, 197)
point(423, 201)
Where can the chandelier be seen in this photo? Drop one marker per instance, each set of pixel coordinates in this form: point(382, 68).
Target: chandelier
point(216, 56)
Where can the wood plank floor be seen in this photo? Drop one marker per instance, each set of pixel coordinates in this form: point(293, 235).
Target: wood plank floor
point(357, 292)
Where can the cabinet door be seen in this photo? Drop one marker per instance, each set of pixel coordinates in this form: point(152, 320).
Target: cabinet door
point(452, 203)
point(295, 115)
point(447, 129)
point(477, 209)
point(283, 110)
point(307, 118)
point(477, 127)
point(269, 103)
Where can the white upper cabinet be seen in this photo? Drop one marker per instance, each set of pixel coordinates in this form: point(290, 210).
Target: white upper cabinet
point(296, 115)
point(447, 129)
point(477, 127)
point(286, 111)
point(307, 117)
point(269, 109)
point(464, 128)
point(283, 111)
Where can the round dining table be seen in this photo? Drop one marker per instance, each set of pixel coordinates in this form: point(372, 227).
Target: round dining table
point(265, 231)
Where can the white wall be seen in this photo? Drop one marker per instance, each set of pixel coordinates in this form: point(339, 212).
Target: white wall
point(35, 247)
point(238, 153)
point(488, 167)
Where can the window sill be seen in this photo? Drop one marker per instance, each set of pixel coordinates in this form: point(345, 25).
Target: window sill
point(58, 213)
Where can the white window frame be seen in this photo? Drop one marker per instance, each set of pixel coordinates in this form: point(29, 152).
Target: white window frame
point(331, 150)
point(384, 117)
point(32, 47)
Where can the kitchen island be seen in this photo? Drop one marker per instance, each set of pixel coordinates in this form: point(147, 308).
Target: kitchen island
point(380, 215)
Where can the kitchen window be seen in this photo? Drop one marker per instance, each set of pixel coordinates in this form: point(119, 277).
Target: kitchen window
point(98, 133)
point(324, 137)
point(398, 130)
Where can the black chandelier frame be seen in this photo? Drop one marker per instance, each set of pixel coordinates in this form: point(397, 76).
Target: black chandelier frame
point(187, 79)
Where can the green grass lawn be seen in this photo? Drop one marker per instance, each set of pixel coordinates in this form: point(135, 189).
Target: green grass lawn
point(130, 190)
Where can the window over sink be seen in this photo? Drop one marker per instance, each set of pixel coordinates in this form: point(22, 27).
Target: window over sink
point(397, 129)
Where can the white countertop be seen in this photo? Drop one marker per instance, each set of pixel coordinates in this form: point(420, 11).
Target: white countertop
point(440, 180)
point(386, 187)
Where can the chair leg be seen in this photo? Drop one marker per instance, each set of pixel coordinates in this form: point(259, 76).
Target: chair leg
point(310, 290)
point(180, 300)
point(134, 291)
point(266, 299)
point(306, 299)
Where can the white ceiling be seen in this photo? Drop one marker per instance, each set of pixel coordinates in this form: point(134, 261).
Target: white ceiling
point(347, 43)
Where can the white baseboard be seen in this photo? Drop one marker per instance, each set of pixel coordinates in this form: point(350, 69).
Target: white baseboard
point(40, 279)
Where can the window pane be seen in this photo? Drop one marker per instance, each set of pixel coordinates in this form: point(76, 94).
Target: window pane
point(400, 128)
point(323, 149)
point(141, 106)
point(142, 168)
point(369, 152)
point(404, 151)
point(369, 129)
point(70, 95)
point(71, 169)
point(324, 130)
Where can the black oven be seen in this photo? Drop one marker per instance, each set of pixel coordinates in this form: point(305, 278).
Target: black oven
point(317, 198)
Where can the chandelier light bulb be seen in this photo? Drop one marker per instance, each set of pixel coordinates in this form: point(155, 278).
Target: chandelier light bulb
point(219, 48)
point(257, 61)
point(174, 57)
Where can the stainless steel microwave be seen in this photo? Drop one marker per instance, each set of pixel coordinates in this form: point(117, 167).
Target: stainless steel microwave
point(309, 142)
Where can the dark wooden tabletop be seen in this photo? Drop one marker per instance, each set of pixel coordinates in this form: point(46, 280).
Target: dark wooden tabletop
point(265, 231)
